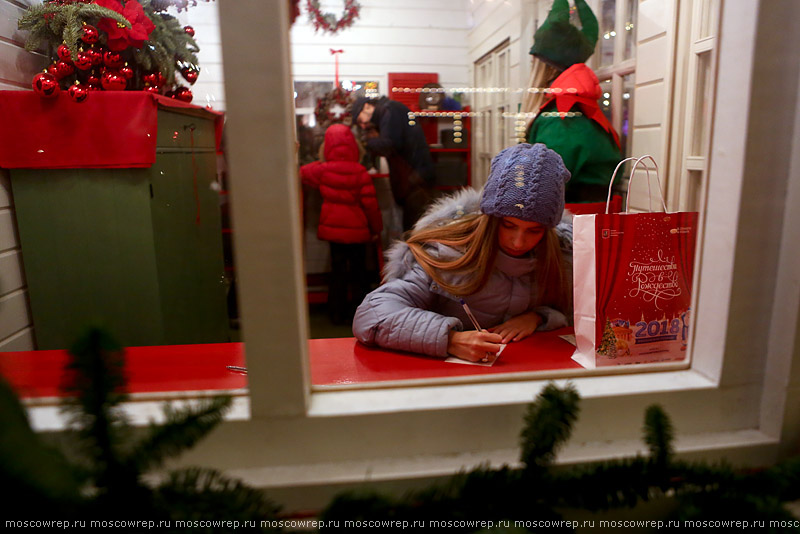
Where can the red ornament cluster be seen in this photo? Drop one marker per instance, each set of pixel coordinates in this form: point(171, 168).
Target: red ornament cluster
point(97, 60)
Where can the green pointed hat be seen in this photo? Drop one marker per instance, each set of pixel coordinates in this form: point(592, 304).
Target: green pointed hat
point(561, 44)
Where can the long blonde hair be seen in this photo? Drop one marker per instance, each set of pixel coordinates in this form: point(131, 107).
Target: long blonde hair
point(542, 76)
point(476, 236)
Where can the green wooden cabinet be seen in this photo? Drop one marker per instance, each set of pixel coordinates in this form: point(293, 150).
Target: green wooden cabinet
point(138, 251)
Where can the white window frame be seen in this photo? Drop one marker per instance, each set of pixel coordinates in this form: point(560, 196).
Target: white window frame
point(618, 69)
point(694, 97)
point(491, 131)
point(733, 398)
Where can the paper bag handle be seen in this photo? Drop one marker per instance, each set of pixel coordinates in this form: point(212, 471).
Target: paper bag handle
point(633, 169)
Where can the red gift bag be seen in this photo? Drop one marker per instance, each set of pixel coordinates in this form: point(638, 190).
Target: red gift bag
point(632, 283)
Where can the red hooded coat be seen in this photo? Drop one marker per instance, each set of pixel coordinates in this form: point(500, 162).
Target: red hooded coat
point(350, 212)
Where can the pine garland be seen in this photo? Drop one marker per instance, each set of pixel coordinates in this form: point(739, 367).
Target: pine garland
point(548, 424)
point(101, 473)
point(181, 430)
point(168, 46)
point(53, 24)
point(541, 491)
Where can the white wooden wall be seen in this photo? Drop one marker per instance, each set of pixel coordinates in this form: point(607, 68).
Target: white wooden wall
point(17, 68)
point(493, 22)
point(209, 88)
point(650, 131)
point(389, 36)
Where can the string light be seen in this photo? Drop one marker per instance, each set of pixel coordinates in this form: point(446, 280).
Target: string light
point(544, 90)
point(561, 114)
point(454, 114)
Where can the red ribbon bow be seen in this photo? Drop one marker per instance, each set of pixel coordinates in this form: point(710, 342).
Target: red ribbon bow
point(335, 55)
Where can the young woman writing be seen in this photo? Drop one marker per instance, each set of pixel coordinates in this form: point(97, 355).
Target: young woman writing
point(505, 252)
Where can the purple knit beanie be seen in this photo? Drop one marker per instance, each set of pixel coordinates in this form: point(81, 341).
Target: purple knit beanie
point(526, 182)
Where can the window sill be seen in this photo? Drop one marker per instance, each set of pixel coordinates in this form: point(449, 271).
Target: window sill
point(590, 384)
point(141, 410)
point(441, 465)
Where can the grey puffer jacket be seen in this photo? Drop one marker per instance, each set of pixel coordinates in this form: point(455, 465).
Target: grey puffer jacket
point(411, 312)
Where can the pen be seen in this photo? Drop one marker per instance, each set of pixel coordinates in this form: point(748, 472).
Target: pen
point(236, 368)
point(477, 326)
point(471, 317)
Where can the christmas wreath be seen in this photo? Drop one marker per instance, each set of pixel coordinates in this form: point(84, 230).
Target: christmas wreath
point(326, 110)
point(327, 22)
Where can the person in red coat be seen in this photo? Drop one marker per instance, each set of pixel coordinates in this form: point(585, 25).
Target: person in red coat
point(349, 218)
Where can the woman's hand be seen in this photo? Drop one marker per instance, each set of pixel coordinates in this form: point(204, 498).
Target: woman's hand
point(474, 345)
point(518, 327)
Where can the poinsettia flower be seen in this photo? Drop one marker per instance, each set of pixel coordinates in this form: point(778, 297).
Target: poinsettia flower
point(120, 37)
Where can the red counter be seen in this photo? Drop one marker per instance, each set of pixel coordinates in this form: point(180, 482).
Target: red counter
point(334, 362)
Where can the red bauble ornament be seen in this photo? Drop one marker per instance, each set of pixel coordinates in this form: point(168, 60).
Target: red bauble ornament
point(78, 93)
point(90, 34)
point(93, 79)
point(84, 61)
point(45, 85)
point(62, 69)
point(151, 78)
point(97, 57)
point(64, 53)
point(190, 74)
point(189, 31)
point(113, 59)
point(183, 94)
point(161, 79)
point(126, 71)
point(152, 89)
point(113, 80)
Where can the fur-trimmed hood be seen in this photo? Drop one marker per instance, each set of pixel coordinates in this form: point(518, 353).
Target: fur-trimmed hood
point(400, 260)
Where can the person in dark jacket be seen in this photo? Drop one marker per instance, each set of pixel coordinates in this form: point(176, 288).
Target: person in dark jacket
point(387, 133)
point(349, 218)
point(506, 252)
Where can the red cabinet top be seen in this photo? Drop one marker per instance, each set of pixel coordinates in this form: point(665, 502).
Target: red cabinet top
point(111, 129)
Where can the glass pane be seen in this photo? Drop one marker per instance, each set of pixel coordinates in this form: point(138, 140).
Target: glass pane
point(502, 69)
point(502, 129)
point(630, 28)
point(627, 114)
point(307, 93)
point(707, 19)
point(605, 98)
point(306, 96)
point(701, 101)
point(608, 32)
point(692, 197)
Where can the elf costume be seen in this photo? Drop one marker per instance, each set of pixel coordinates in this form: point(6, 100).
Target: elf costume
point(585, 139)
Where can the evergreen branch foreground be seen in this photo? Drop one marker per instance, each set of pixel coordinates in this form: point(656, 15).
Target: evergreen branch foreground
point(99, 469)
point(541, 491)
